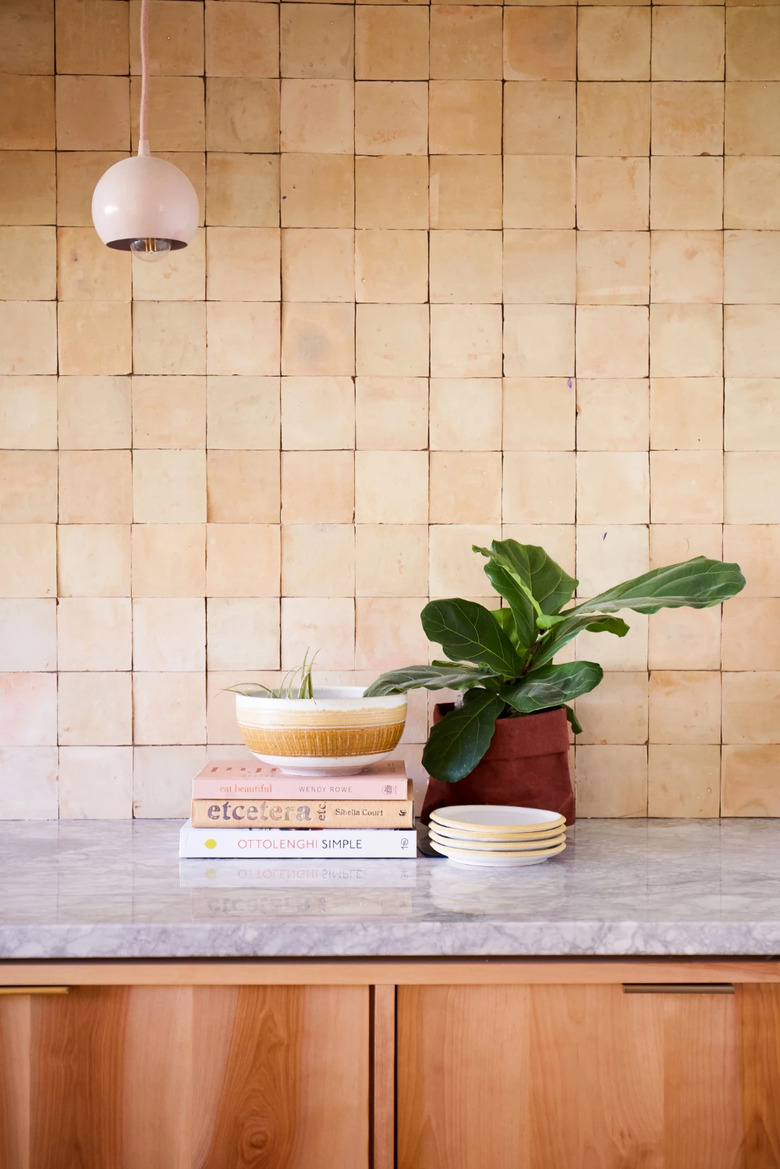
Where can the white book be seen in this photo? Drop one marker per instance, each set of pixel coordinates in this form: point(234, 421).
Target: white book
point(293, 874)
point(297, 843)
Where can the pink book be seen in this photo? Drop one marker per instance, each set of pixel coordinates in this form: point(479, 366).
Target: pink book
point(235, 777)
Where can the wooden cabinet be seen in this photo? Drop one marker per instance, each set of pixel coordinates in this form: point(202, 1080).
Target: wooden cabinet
point(390, 1065)
point(166, 1077)
point(540, 1077)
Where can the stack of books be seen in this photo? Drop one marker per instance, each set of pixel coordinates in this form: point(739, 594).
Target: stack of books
point(252, 810)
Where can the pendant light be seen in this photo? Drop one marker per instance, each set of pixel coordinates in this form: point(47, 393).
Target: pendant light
point(144, 204)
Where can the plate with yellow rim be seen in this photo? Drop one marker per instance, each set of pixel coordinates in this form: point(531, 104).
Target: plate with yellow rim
point(455, 834)
point(501, 819)
point(495, 859)
point(473, 845)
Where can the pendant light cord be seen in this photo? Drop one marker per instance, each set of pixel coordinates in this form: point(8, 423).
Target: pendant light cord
point(143, 145)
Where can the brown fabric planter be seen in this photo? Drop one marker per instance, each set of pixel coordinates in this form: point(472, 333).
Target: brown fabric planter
point(526, 765)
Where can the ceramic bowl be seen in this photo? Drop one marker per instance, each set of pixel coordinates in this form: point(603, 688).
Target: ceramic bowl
point(338, 731)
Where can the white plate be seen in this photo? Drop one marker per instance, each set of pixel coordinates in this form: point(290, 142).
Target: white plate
point(497, 818)
point(494, 859)
point(539, 835)
point(497, 845)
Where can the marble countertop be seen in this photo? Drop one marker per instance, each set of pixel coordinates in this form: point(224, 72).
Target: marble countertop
point(116, 889)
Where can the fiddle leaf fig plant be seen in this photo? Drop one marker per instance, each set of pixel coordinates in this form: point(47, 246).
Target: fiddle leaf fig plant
point(502, 659)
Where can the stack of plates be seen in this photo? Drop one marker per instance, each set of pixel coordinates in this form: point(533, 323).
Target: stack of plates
point(495, 834)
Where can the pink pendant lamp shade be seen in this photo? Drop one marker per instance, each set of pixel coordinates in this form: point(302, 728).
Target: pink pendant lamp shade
point(144, 204)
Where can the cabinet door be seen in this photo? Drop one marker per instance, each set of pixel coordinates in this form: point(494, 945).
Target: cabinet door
point(546, 1077)
point(245, 1077)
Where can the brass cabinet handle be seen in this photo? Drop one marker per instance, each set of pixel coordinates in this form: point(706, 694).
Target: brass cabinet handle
point(678, 988)
point(34, 989)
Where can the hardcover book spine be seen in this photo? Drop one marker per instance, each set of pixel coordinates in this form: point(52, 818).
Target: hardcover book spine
point(239, 814)
point(290, 788)
point(297, 842)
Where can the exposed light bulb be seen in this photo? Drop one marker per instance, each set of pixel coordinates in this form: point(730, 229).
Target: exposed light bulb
point(150, 249)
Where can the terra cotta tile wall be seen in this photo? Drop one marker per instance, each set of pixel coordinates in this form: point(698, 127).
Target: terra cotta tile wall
point(463, 272)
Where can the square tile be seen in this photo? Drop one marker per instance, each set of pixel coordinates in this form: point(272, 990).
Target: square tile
point(391, 560)
point(94, 337)
point(243, 487)
point(243, 263)
point(465, 117)
point(242, 190)
point(175, 39)
point(673, 543)
point(751, 633)
point(392, 340)
point(687, 118)
point(755, 547)
point(612, 194)
point(540, 44)
point(611, 780)
point(168, 338)
point(466, 42)
point(750, 707)
point(752, 487)
point(686, 340)
point(751, 259)
point(538, 191)
point(318, 190)
point(406, 502)
point(686, 487)
point(694, 789)
point(613, 267)
point(169, 487)
point(613, 118)
point(391, 191)
point(539, 340)
point(612, 341)
point(686, 413)
point(391, 117)
point(28, 487)
point(616, 710)
point(539, 267)
point(465, 266)
point(93, 113)
point(27, 33)
point(94, 709)
point(391, 43)
point(318, 413)
point(749, 780)
point(171, 798)
point(243, 633)
point(540, 117)
point(318, 339)
point(685, 639)
point(28, 634)
point(466, 340)
point(607, 553)
point(466, 191)
point(686, 193)
point(539, 487)
point(326, 624)
point(391, 266)
point(749, 186)
point(331, 571)
point(28, 337)
point(242, 114)
point(242, 413)
point(465, 487)
point(613, 414)
point(169, 412)
point(688, 44)
point(32, 128)
point(317, 116)
point(387, 632)
point(169, 633)
point(752, 44)
point(613, 44)
point(539, 414)
point(243, 560)
point(318, 264)
point(181, 276)
point(318, 487)
point(243, 338)
point(685, 706)
point(753, 117)
point(179, 105)
point(28, 413)
point(28, 716)
point(95, 782)
point(317, 41)
point(687, 266)
point(27, 186)
point(95, 487)
point(169, 560)
point(465, 414)
point(29, 263)
point(94, 633)
point(92, 560)
point(453, 572)
point(242, 40)
point(613, 487)
point(35, 797)
point(751, 420)
point(752, 340)
point(391, 413)
point(169, 708)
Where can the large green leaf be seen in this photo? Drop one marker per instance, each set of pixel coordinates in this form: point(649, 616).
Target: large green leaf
point(435, 677)
point(552, 686)
point(551, 586)
point(457, 743)
point(523, 616)
point(468, 632)
point(697, 583)
point(568, 629)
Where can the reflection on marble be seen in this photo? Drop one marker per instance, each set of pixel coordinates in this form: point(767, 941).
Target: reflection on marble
point(116, 889)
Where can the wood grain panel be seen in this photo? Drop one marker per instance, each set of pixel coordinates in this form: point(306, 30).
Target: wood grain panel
point(15, 1082)
point(186, 1078)
point(402, 972)
point(759, 1014)
point(383, 1077)
point(543, 1077)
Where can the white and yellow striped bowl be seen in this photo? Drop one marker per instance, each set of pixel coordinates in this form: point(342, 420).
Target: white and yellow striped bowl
point(338, 730)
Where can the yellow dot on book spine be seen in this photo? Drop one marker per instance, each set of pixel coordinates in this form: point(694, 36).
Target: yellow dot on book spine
point(210, 843)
